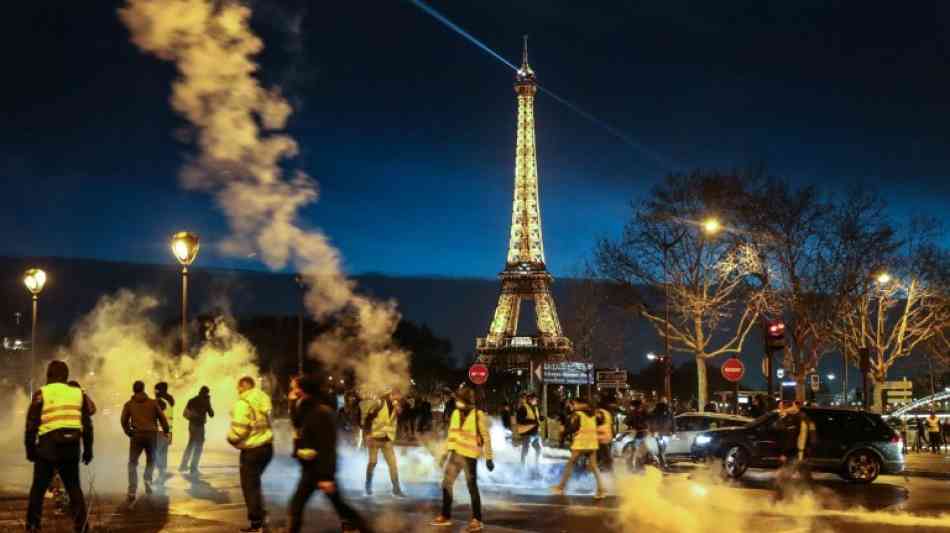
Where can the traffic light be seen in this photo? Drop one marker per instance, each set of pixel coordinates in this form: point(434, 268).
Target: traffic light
point(774, 335)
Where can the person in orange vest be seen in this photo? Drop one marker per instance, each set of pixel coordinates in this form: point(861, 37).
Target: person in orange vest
point(583, 427)
point(379, 426)
point(528, 423)
point(469, 438)
point(58, 422)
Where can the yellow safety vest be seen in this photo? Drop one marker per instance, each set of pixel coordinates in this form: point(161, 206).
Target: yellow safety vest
point(169, 412)
point(605, 431)
point(62, 408)
point(463, 436)
point(586, 437)
point(250, 422)
point(384, 425)
point(532, 416)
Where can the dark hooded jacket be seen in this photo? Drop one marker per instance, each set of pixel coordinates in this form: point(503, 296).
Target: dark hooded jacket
point(142, 414)
point(198, 409)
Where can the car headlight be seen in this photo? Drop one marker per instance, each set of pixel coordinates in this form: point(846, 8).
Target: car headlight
point(703, 440)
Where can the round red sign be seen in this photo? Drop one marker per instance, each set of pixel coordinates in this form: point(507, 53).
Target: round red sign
point(478, 373)
point(733, 369)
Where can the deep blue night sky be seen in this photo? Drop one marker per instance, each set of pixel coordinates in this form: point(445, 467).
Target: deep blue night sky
point(410, 129)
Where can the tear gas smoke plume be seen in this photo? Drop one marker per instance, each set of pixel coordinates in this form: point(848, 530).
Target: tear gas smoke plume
point(240, 162)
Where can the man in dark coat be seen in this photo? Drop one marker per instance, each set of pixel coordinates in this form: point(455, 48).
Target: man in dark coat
point(315, 432)
point(197, 411)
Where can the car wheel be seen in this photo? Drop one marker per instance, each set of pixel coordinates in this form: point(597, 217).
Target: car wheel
point(862, 466)
point(735, 462)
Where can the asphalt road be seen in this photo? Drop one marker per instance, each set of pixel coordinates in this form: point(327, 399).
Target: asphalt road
point(689, 499)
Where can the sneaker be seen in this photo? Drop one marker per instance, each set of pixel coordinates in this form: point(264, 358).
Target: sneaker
point(369, 490)
point(557, 490)
point(441, 521)
point(398, 493)
point(474, 525)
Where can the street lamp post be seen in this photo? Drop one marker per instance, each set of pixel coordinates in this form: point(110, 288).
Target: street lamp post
point(185, 248)
point(710, 227)
point(302, 285)
point(34, 279)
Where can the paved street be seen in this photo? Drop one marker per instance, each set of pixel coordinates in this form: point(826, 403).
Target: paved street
point(689, 499)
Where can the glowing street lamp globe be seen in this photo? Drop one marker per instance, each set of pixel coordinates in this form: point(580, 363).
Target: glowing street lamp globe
point(883, 278)
point(711, 226)
point(185, 247)
point(34, 279)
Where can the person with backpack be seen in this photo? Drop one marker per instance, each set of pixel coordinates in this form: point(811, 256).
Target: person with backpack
point(197, 411)
point(528, 426)
point(167, 404)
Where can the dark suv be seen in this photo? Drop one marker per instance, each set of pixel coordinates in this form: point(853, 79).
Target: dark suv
point(856, 445)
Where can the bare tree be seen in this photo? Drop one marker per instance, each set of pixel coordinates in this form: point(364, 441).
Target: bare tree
point(588, 322)
point(816, 250)
point(692, 287)
point(900, 309)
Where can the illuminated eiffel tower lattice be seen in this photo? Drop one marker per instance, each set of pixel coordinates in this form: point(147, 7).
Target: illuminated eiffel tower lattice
point(525, 276)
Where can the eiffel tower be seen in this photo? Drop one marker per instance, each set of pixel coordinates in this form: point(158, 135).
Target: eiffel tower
point(525, 275)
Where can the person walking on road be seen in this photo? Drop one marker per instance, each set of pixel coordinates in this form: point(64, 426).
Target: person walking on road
point(797, 437)
point(469, 438)
point(251, 433)
point(583, 427)
point(921, 442)
point(379, 426)
point(197, 411)
point(528, 426)
point(315, 449)
point(58, 426)
point(933, 432)
point(141, 419)
point(167, 404)
point(605, 434)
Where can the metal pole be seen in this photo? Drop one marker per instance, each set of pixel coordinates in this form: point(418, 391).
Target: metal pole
point(667, 386)
point(33, 344)
point(844, 382)
point(184, 309)
point(300, 343)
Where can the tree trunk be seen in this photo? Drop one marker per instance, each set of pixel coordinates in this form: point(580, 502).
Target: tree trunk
point(701, 383)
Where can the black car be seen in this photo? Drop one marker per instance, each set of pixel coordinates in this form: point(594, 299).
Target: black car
point(856, 445)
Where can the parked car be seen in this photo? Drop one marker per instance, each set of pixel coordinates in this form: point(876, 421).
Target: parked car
point(856, 445)
point(686, 427)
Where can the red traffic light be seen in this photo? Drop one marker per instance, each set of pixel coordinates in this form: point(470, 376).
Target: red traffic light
point(777, 329)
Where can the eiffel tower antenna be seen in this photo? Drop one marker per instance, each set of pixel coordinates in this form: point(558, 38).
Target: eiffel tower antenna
point(525, 275)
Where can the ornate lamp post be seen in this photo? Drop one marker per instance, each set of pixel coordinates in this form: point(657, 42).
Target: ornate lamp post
point(34, 279)
point(185, 248)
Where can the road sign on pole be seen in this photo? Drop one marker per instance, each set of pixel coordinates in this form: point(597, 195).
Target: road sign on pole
point(616, 379)
point(733, 370)
point(478, 374)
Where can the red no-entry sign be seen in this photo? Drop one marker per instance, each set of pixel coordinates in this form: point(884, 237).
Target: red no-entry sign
point(478, 374)
point(733, 370)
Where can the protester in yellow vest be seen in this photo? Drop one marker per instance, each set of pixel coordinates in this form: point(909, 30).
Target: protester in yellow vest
point(379, 426)
point(583, 428)
point(166, 402)
point(251, 433)
point(469, 438)
point(605, 433)
point(528, 426)
point(58, 421)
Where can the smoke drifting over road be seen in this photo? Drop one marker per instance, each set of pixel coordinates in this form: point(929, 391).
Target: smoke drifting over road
point(241, 161)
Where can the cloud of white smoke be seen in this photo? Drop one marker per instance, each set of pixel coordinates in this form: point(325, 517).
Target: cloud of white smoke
point(240, 162)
